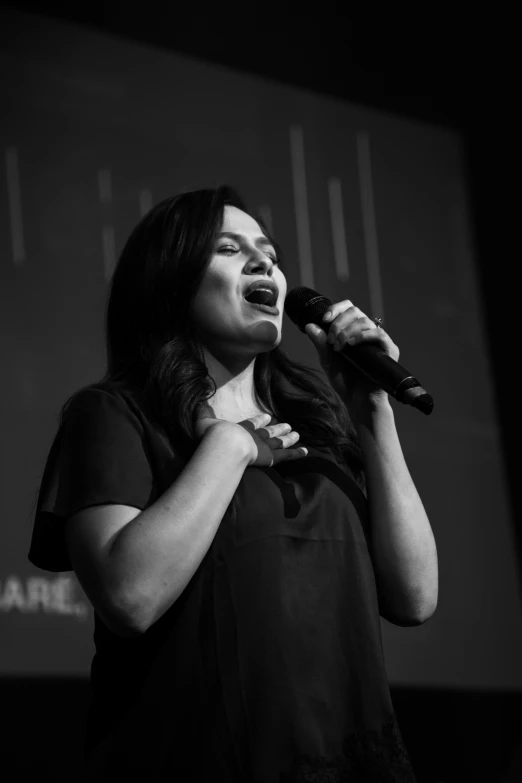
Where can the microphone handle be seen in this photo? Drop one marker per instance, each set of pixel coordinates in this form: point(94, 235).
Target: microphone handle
point(389, 375)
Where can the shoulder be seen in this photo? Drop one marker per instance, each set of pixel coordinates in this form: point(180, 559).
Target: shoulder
point(112, 414)
point(102, 399)
point(94, 394)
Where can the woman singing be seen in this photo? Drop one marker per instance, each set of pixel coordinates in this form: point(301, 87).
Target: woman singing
point(239, 521)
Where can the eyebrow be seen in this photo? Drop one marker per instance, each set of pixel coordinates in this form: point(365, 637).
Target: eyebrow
point(261, 241)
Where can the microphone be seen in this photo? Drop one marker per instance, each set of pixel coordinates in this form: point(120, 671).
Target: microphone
point(306, 306)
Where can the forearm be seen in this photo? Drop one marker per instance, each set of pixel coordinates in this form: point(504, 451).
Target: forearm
point(403, 548)
point(155, 556)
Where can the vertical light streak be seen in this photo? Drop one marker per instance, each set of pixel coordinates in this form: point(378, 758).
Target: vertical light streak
point(15, 205)
point(145, 202)
point(335, 197)
point(108, 234)
point(105, 186)
point(109, 251)
point(369, 225)
point(304, 244)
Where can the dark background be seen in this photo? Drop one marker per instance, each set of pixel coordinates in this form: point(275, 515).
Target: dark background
point(451, 70)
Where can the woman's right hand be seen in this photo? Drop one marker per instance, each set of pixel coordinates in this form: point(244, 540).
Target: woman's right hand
point(267, 445)
point(271, 444)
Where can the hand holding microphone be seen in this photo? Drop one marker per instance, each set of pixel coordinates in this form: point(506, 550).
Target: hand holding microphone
point(375, 358)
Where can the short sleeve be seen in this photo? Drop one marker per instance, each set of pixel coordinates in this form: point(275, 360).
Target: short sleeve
point(97, 457)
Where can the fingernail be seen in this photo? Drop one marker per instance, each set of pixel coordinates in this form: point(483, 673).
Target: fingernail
point(327, 315)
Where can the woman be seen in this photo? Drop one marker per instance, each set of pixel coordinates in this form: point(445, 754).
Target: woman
point(237, 576)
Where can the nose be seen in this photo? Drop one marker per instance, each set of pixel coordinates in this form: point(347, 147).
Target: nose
point(261, 261)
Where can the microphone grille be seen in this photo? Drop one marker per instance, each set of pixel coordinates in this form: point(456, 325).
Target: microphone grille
point(305, 306)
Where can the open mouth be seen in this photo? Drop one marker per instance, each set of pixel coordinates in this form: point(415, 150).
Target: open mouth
point(264, 308)
point(264, 300)
point(262, 296)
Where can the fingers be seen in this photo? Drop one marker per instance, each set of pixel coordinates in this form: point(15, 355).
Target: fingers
point(281, 436)
point(349, 323)
point(345, 318)
point(283, 440)
point(287, 440)
point(257, 421)
point(335, 309)
point(353, 327)
point(367, 334)
point(293, 453)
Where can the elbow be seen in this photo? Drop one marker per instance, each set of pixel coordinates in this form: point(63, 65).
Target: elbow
point(409, 620)
point(427, 613)
point(133, 606)
point(422, 614)
point(415, 620)
point(428, 603)
point(408, 616)
point(124, 623)
point(128, 616)
point(130, 627)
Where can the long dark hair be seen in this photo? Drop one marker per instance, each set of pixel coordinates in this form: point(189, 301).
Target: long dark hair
point(153, 351)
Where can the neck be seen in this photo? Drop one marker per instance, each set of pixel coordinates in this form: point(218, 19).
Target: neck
point(234, 379)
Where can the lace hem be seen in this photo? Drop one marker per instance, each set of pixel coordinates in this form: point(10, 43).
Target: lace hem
point(369, 756)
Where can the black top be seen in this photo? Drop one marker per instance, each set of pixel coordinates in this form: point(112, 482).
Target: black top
point(269, 667)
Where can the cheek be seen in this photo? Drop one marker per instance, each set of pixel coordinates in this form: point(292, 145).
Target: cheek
point(218, 282)
point(213, 305)
point(214, 289)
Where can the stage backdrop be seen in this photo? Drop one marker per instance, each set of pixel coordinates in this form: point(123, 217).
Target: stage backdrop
point(368, 207)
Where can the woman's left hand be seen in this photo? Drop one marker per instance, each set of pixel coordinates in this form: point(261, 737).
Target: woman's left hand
point(350, 326)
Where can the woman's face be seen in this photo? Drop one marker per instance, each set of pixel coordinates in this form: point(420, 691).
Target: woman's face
point(227, 322)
